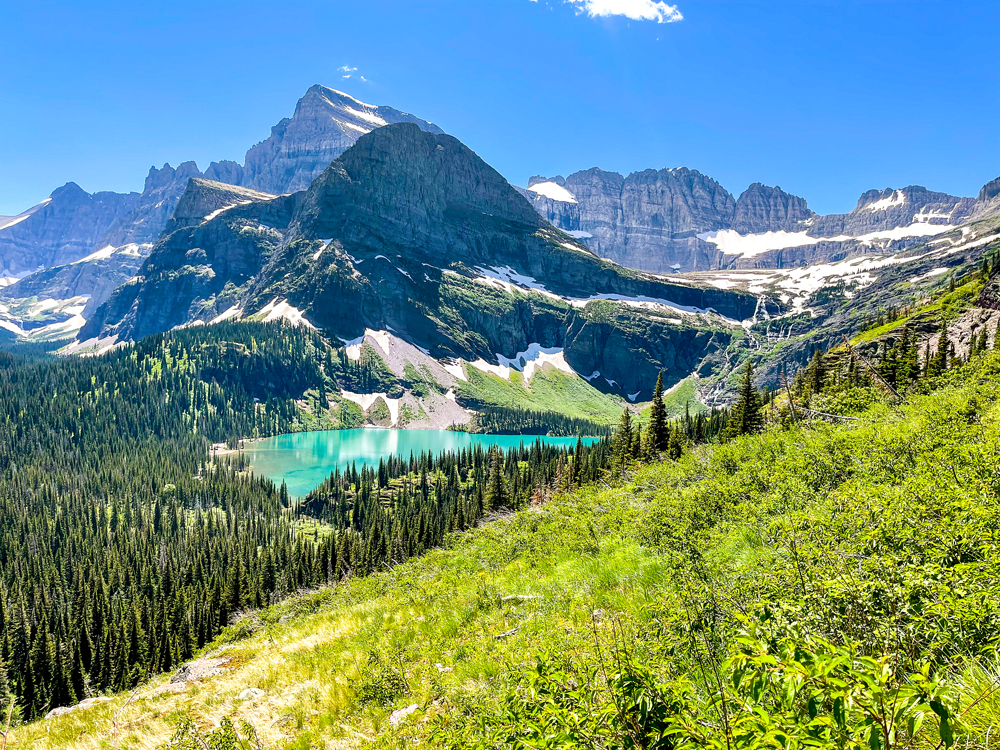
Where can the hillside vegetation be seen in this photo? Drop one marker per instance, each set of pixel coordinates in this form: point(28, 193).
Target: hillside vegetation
point(811, 586)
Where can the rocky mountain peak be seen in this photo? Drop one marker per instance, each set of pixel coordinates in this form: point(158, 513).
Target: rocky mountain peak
point(69, 192)
point(990, 190)
point(400, 175)
point(326, 123)
point(539, 180)
point(761, 208)
point(205, 199)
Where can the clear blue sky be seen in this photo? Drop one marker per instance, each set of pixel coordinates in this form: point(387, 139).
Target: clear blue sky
point(826, 99)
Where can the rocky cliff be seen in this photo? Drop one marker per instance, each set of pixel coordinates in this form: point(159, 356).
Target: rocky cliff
point(410, 231)
point(680, 220)
point(769, 209)
point(325, 124)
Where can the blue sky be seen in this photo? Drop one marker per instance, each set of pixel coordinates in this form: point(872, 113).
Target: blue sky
point(825, 99)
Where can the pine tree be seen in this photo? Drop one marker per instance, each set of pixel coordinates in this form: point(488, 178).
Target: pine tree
point(939, 362)
point(745, 417)
point(817, 373)
point(496, 487)
point(658, 417)
point(622, 446)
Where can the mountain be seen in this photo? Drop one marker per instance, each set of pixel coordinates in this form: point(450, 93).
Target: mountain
point(681, 220)
point(64, 227)
point(72, 224)
point(410, 232)
point(326, 123)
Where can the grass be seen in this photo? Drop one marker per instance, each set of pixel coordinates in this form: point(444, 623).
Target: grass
point(550, 389)
point(881, 533)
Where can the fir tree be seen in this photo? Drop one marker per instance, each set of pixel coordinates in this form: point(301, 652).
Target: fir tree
point(658, 417)
point(746, 416)
point(496, 488)
point(622, 446)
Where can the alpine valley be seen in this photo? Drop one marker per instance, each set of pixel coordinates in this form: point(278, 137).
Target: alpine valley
point(375, 228)
point(755, 506)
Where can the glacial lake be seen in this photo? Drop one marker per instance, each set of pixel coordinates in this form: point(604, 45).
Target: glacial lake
point(305, 459)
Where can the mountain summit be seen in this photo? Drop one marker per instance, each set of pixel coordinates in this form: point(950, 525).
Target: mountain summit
point(326, 123)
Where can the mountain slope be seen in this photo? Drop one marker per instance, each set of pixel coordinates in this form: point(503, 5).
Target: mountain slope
point(585, 612)
point(411, 232)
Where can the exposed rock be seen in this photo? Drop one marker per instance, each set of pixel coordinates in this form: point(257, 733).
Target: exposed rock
point(649, 220)
point(326, 123)
point(769, 209)
point(990, 190)
point(396, 717)
point(95, 278)
point(250, 694)
point(85, 703)
point(199, 669)
point(989, 297)
point(64, 228)
point(666, 220)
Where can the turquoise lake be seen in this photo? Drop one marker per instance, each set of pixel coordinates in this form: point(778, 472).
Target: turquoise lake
point(305, 459)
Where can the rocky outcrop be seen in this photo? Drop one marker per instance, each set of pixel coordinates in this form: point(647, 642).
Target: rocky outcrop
point(770, 209)
point(881, 210)
point(649, 220)
point(95, 278)
point(407, 231)
point(990, 190)
point(989, 297)
point(629, 349)
point(326, 123)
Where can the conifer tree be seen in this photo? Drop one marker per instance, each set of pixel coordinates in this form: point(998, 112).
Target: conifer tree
point(622, 446)
point(496, 487)
point(745, 417)
point(939, 362)
point(817, 373)
point(658, 417)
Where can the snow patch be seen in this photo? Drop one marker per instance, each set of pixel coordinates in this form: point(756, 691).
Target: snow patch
point(367, 400)
point(15, 220)
point(455, 368)
point(731, 242)
point(576, 234)
point(103, 254)
point(366, 116)
point(275, 310)
point(527, 362)
point(222, 210)
point(553, 191)
point(898, 198)
point(233, 312)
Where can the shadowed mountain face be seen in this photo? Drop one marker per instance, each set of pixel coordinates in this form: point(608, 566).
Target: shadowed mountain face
point(410, 231)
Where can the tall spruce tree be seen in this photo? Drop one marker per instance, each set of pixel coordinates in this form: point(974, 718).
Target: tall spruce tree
point(496, 487)
point(746, 415)
point(622, 445)
point(658, 417)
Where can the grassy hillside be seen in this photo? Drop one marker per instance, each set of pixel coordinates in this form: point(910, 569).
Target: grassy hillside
point(834, 586)
point(550, 390)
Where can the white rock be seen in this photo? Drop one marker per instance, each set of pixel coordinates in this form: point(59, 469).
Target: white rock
point(250, 694)
point(397, 716)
